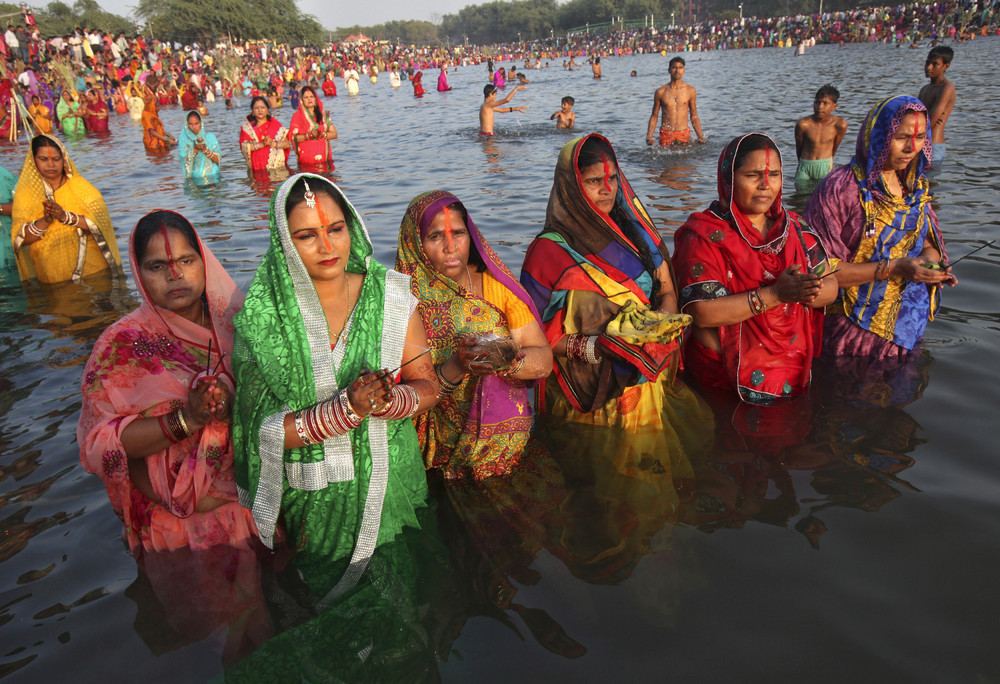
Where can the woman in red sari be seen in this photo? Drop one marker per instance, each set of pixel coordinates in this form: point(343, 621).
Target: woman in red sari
point(748, 275)
point(95, 116)
point(311, 132)
point(263, 140)
point(329, 85)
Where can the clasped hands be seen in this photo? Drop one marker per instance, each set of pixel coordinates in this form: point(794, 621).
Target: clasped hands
point(796, 285)
point(209, 400)
point(370, 392)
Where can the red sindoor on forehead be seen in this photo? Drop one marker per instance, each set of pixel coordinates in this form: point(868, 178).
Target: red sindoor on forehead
point(767, 163)
point(607, 174)
point(170, 254)
point(916, 130)
point(449, 231)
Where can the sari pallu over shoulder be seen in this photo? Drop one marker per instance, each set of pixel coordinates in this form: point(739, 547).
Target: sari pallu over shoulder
point(482, 427)
point(64, 252)
point(718, 253)
point(581, 270)
point(143, 366)
point(344, 497)
point(861, 222)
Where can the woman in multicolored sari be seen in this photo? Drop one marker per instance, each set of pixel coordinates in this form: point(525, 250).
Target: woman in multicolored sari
point(600, 255)
point(480, 427)
point(321, 440)
point(876, 221)
point(311, 131)
point(263, 140)
point(61, 229)
point(156, 397)
point(745, 269)
point(199, 150)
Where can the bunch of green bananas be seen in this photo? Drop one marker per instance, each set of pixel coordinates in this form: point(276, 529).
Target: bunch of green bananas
point(636, 324)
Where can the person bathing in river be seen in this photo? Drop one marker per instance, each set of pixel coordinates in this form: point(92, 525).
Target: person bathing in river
point(677, 100)
point(491, 105)
point(745, 272)
point(817, 138)
point(875, 218)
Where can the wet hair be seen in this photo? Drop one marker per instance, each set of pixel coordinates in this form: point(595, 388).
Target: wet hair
point(40, 141)
point(828, 91)
point(488, 90)
point(753, 143)
point(152, 223)
point(297, 195)
point(943, 51)
point(568, 100)
point(596, 151)
point(317, 111)
point(677, 60)
point(250, 117)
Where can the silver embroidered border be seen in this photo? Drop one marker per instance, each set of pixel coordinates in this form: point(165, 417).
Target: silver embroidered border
point(397, 298)
point(267, 499)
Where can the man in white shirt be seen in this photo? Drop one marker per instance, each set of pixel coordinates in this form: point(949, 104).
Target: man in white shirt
point(11, 39)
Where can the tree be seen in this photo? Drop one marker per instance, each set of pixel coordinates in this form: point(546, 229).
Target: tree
point(189, 20)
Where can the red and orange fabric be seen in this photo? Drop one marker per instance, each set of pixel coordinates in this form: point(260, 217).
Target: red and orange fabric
point(718, 253)
point(669, 137)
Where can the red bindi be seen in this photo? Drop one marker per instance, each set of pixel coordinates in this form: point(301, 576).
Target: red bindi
point(170, 255)
point(767, 164)
point(607, 174)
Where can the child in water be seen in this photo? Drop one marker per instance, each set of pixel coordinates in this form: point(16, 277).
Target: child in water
point(817, 138)
point(565, 117)
point(491, 105)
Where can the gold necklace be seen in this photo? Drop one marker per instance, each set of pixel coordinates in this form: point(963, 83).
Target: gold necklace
point(350, 309)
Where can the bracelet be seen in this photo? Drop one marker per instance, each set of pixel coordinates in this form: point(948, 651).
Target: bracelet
point(33, 228)
point(882, 270)
point(757, 305)
point(166, 431)
point(515, 369)
point(447, 387)
point(349, 412)
point(182, 422)
point(402, 404)
point(582, 348)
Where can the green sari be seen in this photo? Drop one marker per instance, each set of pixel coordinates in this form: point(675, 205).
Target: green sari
point(71, 124)
point(343, 498)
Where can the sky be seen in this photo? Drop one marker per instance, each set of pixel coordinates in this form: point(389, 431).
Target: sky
point(334, 14)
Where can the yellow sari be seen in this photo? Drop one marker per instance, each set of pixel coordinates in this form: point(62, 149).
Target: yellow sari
point(64, 252)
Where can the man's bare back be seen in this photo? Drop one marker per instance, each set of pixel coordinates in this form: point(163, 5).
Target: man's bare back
point(677, 100)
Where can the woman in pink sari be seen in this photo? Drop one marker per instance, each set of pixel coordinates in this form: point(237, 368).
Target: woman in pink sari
point(311, 132)
point(156, 398)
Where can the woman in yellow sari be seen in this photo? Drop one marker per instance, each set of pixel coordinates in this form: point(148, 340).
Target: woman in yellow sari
point(61, 228)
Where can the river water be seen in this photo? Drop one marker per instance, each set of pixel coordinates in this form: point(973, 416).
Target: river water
point(866, 552)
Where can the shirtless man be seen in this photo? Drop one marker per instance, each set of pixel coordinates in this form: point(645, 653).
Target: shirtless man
point(491, 105)
point(938, 96)
point(677, 100)
point(817, 138)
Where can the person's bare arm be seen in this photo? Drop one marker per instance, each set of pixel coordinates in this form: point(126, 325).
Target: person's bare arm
point(668, 296)
point(653, 117)
point(693, 109)
point(504, 101)
point(800, 138)
point(841, 129)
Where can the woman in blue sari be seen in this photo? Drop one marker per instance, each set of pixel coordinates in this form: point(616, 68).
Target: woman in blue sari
point(199, 151)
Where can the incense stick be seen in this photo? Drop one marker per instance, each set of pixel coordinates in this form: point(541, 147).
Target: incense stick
point(219, 363)
point(208, 361)
point(970, 253)
point(426, 351)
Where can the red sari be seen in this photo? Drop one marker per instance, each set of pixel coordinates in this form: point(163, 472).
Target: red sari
point(311, 152)
point(718, 253)
point(93, 122)
point(266, 157)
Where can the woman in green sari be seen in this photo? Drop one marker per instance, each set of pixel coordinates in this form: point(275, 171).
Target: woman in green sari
point(320, 440)
point(70, 118)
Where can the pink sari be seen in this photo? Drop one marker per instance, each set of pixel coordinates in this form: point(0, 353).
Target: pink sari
point(142, 366)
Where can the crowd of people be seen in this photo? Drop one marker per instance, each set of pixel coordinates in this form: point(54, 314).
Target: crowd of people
point(308, 412)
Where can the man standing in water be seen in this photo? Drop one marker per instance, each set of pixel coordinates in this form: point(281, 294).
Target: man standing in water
point(938, 96)
point(677, 99)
